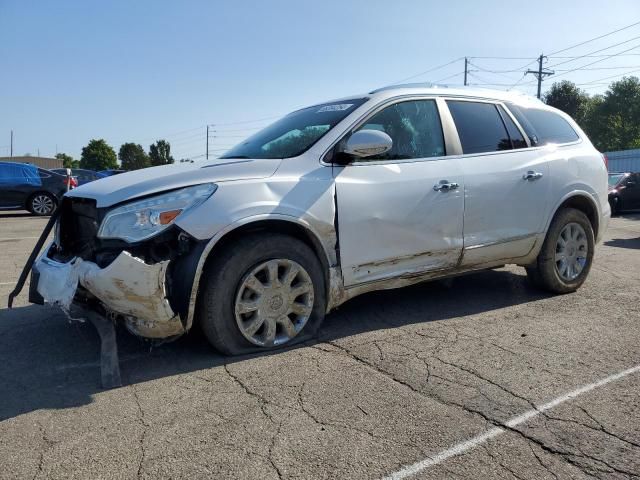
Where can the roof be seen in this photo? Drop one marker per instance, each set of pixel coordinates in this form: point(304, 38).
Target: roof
point(431, 89)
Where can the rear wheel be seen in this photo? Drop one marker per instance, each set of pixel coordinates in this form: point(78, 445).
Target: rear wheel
point(564, 261)
point(42, 203)
point(263, 292)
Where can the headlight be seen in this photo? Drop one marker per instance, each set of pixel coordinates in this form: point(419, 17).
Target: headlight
point(143, 219)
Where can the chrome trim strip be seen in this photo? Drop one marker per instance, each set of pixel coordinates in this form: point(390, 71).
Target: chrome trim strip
point(500, 242)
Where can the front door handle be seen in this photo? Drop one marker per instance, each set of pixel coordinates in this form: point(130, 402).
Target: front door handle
point(531, 175)
point(445, 186)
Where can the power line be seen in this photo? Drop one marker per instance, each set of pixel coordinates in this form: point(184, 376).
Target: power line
point(596, 56)
point(602, 68)
point(503, 58)
point(426, 71)
point(611, 76)
point(450, 76)
point(497, 72)
point(595, 38)
point(244, 122)
point(596, 51)
point(598, 61)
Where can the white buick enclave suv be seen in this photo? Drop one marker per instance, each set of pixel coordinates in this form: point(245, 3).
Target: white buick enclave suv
point(376, 191)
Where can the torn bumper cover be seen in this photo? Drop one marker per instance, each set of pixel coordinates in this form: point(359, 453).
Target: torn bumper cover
point(128, 287)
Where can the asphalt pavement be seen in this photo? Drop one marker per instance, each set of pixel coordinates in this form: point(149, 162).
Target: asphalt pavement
point(483, 377)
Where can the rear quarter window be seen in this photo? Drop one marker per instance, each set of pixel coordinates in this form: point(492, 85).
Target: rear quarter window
point(544, 126)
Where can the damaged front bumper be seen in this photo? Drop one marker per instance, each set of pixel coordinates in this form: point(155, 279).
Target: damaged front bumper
point(127, 287)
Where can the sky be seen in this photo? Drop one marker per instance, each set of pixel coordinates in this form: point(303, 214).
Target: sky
point(138, 71)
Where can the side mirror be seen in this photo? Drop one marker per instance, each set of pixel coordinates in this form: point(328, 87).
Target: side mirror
point(366, 143)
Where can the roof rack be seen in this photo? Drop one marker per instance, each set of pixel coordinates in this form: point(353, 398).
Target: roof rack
point(406, 85)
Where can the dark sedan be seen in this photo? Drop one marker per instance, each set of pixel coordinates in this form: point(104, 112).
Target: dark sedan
point(25, 186)
point(81, 174)
point(108, 173)
point(624, 191)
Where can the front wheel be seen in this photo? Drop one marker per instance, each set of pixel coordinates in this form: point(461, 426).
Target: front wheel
point(262, 292)
point(564, 261)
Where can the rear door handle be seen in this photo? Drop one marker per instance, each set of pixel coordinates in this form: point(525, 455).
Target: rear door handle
point(531, 175)
point(445, 186)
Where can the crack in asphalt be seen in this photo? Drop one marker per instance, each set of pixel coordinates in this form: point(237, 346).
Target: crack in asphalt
point(570, 457)
point(145, 425)
point(263, 402)
point(497, 461)
point(542, 464)
point(49, 444)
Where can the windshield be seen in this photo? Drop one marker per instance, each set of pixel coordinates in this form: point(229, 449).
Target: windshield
point(296, 133)
point(615, 178)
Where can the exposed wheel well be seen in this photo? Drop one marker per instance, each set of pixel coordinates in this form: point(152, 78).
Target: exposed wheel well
point(586, 206)
point(278, 226)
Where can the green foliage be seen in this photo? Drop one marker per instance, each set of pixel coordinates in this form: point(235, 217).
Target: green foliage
point(612, 120)
point(160, 153)
point(566, 96)
point(98, 155)
point(133, 157)
point(68, 161)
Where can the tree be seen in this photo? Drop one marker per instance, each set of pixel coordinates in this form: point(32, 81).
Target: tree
point(160, 153)
point(566, 96)
point(619, 115)
point(67, 160)
point(98, 155)
point(133, 157)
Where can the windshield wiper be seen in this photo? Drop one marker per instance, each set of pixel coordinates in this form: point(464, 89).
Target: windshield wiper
point(234, 156)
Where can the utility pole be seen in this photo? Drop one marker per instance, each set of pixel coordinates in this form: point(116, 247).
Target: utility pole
point(11, 143)
point(466, 65)
point(207, 154)
point(540, 73)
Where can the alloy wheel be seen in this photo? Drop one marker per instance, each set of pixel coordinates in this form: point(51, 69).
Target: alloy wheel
point(42, 204)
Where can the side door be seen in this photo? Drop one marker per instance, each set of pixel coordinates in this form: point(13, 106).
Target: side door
point(631, 197)
point(15, 184)
point(395, 214)
point(506, 183)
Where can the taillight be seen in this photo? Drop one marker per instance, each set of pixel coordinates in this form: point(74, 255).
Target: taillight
point(605, 160)
point(74, 182)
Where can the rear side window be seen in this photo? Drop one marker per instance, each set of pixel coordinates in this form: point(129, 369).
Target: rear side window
point(17, 174)
point(480, 127)
point(543, 126)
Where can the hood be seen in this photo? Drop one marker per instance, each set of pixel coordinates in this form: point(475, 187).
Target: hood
point(119, 188)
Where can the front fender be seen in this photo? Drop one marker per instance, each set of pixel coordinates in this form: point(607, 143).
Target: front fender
point(325, 236)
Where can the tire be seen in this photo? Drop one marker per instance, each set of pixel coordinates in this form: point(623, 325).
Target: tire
point(557, 268)
point(42, 204)
point(615, 205)
point(226, 294)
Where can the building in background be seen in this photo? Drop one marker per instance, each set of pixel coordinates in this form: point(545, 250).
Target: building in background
point(624, 160)
point(42, 162)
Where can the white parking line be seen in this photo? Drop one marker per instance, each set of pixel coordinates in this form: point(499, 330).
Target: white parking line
point(493, 432)
point(16, 238)
point(7, 283)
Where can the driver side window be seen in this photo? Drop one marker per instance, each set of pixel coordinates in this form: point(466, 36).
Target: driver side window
point(414, 126)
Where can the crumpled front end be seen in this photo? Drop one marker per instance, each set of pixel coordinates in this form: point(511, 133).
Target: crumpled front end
point(146, 285)
point(128, 287)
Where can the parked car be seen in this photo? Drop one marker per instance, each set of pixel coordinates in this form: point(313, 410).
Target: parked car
point(370, 192)
point(25, 186)
point(82, 175)
point(108, 173)
point(624, 191)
